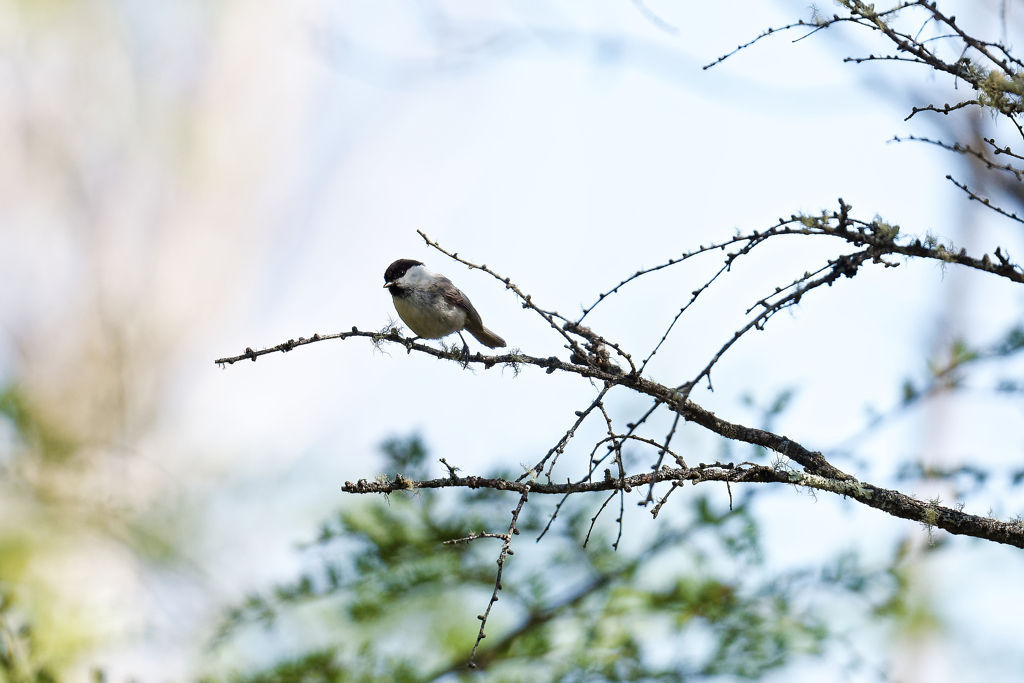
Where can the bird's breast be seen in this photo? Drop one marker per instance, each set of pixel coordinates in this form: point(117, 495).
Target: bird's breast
point(429, 316)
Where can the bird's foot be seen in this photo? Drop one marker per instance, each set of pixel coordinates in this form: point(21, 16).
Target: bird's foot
point(465, 352)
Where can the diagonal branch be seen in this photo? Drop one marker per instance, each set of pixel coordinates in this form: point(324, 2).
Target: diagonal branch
point(566, 326)
point(690, 411)
point(818, 473)
point(983, 200)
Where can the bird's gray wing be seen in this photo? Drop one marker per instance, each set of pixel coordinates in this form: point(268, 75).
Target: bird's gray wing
point(474, 324)
point(454, 296)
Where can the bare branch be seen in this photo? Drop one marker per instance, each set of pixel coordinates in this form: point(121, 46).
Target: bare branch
point(943, 110)
point(772, 31)
point(970, 151)
point(593, 520)
point(527, 301)
point(588, 358)
point(506, 550)
point(559, 448)
point(983, 200)
point(892, 502)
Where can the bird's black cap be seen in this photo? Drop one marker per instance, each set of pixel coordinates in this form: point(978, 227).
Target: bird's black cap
point(397, 269)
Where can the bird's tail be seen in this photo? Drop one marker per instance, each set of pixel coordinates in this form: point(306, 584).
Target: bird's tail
point(486, 337)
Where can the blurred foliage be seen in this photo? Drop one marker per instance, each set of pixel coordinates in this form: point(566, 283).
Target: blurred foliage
point(40, 436)
point(906, 606)
point(19, 661)
point(692, 600)
point(51, 514)
point(948, 374)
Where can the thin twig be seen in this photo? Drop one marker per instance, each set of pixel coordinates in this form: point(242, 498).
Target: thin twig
point(506, 550)
point(968, 150)
point(661, 457)
point(559, 448)
point(983, 200)
point(844, 265)
point(526, 299)
point(593, 519)
point(943, 110)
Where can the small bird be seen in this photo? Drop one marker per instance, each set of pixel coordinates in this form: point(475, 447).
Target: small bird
point(433, 307)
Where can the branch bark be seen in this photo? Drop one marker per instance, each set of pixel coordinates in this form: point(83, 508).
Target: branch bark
point(818, 473)
point(897, 504)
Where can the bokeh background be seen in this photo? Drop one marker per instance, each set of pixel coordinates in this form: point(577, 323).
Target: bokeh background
point(181, 180)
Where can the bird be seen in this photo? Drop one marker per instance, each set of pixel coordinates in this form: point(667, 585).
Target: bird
point(433, 307)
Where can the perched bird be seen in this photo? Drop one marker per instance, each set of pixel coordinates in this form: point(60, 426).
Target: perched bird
point(433, 307)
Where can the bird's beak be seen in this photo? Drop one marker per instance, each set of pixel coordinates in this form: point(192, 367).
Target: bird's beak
point(388, 284)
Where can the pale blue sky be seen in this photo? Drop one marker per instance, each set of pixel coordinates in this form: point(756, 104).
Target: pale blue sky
point(564, 145)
